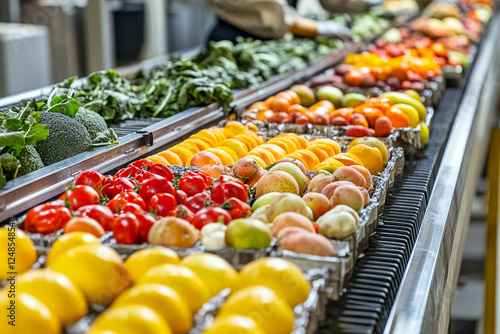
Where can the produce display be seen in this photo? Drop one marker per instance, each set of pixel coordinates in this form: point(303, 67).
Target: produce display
point(225, 231)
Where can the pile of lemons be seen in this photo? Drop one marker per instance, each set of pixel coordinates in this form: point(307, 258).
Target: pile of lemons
point(152, 291)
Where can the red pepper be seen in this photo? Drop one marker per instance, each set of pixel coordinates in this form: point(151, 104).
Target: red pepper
point(192, 184)
point(210, 215)
point(47, 218)
point(154, 185)
point(162, 170)
point(130, 171)
point(161, 204)
point(199, 201)
point(207, 177)
point(141, 163)
point(236, 208)
point(89, 178)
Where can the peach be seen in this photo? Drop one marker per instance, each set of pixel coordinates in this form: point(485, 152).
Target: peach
point(215, 171)
point(366, 174)
point(337, 224)
point(345, 208)
point(318, 203)
point(287, 202)
point(246, 168)
point(321, 119)
point(277, 181)
point(303, 242)
point(296, 162)
point(348, 195)
point(329, 189)
point(383, 127)
point(366, 196)
point(339, 121)
point(349, 174)
point(357, 131)
point(256, 179)
point(318, 182)
point(289, 219)
point(204, 158)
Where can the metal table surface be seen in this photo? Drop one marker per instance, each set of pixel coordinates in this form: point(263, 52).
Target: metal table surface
point(425, 297)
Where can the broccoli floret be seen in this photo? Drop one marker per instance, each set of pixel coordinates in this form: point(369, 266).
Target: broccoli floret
point(92, 121)
point(67, 138)
point(30, 160)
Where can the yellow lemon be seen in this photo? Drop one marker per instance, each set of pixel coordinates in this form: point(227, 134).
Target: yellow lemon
point(373, 142)
point(229, 151)
point(161, 299)
point(348, 159)
point(97, 270)
point(190, 147)
point(224, 157)
point(330, 142)
point(319, 152)
point(234, 324)
point(202, 145)
point(171, 157)
point(308, 156)
point(140, 262)
point(303, 142)
point(31, 316)
point(183, 153)
point(183, 280)
point(249, 142)
point(424, 133)
point(68, 241)
point(264, 306)
point(56, 291)
point(130, 319)
point(237, 146)
point(371, 157)
point(328, 149)
point(15, 244)
point(264, 154)
point(275, 150)
point(216, 273)
point(233, 128)
point(284, 277)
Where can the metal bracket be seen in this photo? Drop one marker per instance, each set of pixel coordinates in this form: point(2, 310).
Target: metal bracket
point(147, 138)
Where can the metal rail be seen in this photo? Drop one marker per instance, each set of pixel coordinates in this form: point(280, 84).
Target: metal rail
point(423, 303)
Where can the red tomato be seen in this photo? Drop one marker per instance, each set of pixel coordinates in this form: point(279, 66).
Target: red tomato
point(80, 196)
point(199, 201)
point(181, 196)
point(146, 221)
point(162, 170)
point(141, 163)
point(47, 218)
point(100, 213)
point(116, 186)
point(156, 185)
point(89, 178)
point(223, 190)
point(131, 208)
point(192, 184)
point(161, 204)
point(207, 177)
point(182, 212)
point(236, 208)
point(126, 228)
point(210, 215)
point(119, 201)
point(130, 171)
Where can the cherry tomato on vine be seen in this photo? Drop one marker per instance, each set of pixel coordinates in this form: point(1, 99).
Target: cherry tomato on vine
point(210, 215)
point(161, 204)
point(129, 196)
point(89, 178)
point(125, 228)
point(236, 208)
point(80, 196)
point(100, 213)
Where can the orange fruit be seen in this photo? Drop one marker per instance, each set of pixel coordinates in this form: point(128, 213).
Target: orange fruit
point(303, 142)
point(200, 144)
point(373, 142)
point(345, 113)
point(323, 104)
point(252, 127)
point(275, 150)
point(171, 157)
point(224, 157)
point(264, 115)
point(296, 108)
point(237, 146)
point(332, 143)
point(324, 147)
point(229, 151)
point(208, 139)
point(158, 159)
point(281, 144)
point(264, 154)
point(249, 142)
point(210, 134)
point(370, 156)
point(190, 147)
point(319, 152)
point(233, 128)
point(268, 102)
point(280, 104)
point(252, 134)
point(330, 165)
point(398, 118)
point(348, 159)
point(288, 136)
point(183, 153)
point(258, 106)
point(259, 160)
point(310, 158)
point(220, 136)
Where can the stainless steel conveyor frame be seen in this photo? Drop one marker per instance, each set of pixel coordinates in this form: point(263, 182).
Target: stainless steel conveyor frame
point(425, 297)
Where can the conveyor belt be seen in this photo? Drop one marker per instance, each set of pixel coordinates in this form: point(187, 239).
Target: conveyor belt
point(369, 295)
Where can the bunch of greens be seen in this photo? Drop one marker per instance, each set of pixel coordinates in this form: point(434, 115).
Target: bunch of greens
point(19, 127)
